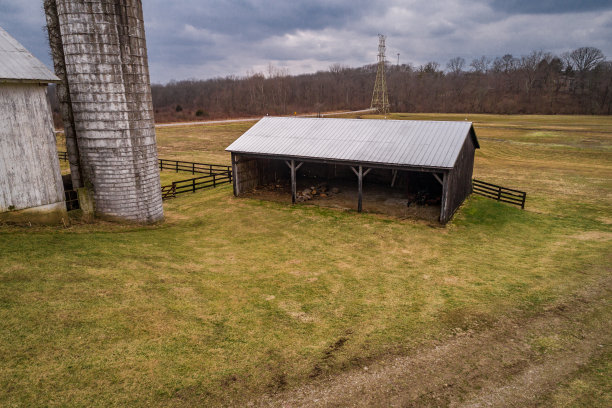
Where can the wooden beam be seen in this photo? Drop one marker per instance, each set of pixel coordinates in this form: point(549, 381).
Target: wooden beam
point(296, 167)
point(438, 178)
point(394, 172)
point(348, 163)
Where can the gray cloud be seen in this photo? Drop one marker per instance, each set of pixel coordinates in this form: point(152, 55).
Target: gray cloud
point(550, 6)
point(204, 39)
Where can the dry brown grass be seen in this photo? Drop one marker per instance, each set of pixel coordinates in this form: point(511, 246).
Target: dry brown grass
point(233, 298)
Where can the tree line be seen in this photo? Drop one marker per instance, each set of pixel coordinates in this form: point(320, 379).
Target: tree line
point(576, 82)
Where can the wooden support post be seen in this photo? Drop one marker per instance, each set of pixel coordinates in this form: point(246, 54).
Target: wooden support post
point(291, 165)
point(234, 175)
point(394, 172)
point(360, 175)
point(294, 169)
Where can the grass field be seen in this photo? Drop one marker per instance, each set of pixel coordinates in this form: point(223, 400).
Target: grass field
point(232, 298)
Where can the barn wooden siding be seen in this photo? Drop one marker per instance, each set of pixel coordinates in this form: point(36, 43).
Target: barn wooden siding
point(30, 177)
point(256, 172)
point(101, 57)
point(458, 181)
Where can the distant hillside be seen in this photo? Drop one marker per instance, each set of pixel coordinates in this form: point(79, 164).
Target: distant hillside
point(577, 82)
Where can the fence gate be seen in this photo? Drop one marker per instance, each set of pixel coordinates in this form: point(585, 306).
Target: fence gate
point(499, 193)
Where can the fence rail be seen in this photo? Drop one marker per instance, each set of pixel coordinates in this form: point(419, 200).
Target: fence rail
point(63, 156)
point(196, 183)
point(192, 167)
point(72, 200)
point(168, 191)
point(499, 193)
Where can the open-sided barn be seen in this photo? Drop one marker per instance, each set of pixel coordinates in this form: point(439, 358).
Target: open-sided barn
point(31, 188)
point(435, 157)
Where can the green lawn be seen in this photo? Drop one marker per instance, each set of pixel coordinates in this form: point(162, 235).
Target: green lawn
point(231, 297)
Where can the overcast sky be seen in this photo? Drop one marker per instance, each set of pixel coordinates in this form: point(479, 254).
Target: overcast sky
point(205, 39)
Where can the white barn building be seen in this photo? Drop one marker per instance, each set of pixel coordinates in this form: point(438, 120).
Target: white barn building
point(31, 188)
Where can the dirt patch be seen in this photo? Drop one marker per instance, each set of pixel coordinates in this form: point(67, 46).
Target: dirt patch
point(593, 236)
point(512, 364)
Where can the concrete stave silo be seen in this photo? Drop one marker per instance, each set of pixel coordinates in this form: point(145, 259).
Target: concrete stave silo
point(99, 52)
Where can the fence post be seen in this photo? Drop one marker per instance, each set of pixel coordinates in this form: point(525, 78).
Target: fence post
point(214, 180)
point(498, 193)
point(177, 166)
point(192, 168)
point(229, 174)
point(210, 171)
point(193, 184)
point(523, 202)
point(161, 164)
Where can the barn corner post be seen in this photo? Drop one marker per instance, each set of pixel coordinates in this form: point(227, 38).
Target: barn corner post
point(234, 175)
point(443, 204)
point(99, 51)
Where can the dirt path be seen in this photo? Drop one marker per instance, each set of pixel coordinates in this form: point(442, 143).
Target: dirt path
point(214, 122)
point(514, 364)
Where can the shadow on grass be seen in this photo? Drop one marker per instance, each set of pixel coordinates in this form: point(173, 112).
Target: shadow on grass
point(483, 211)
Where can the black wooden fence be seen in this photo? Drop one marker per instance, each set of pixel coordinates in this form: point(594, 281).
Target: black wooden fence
point(194, 184)
point(499, 193)
point(215, 174)
point(72, 200)
point(191, 167)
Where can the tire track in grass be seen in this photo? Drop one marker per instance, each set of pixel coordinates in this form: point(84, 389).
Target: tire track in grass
point(517, 363)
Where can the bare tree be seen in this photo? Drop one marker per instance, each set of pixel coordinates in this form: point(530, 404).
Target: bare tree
point(455, 65)
point(432, 67)
point(586, 58)
point(480, 65)
point(529, 66)
point(505, 64)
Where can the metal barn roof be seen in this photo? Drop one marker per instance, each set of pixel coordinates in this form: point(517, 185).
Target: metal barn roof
point(411, 143)
point(18, 65)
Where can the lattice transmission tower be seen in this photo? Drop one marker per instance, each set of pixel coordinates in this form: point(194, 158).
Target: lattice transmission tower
point(380, 98)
